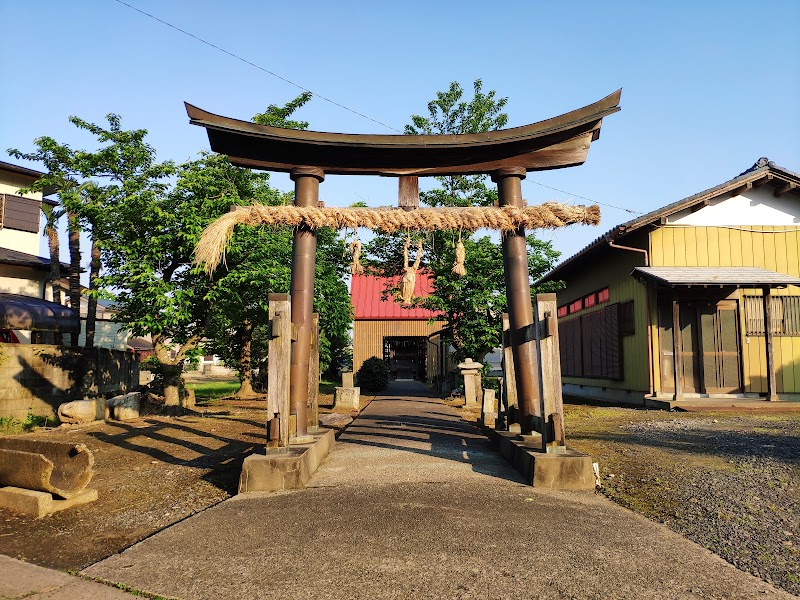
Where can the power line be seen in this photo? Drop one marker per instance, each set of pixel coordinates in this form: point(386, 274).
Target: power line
point(627, 210)
point(252, 64)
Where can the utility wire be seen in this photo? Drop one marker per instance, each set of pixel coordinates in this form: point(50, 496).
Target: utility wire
point(259, 67)
point(627, 210)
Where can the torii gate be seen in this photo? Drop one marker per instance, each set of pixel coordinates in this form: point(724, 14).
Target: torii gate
point(506, 155)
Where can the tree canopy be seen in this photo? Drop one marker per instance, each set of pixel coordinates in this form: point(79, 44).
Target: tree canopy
point(473, 303)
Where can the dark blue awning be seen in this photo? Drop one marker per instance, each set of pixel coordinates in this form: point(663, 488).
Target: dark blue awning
point(35, 314)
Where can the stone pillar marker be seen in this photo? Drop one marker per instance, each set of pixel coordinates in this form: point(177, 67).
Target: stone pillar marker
point(347, 379)
point(471, 372)
point(489, 410)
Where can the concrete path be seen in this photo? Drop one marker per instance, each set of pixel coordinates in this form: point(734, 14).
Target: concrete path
point(412, 503)
point(19, 579)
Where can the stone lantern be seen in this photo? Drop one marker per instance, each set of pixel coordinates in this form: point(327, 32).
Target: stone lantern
point(471, 372)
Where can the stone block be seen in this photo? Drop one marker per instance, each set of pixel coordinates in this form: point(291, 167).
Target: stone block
point(30, 503)
point(335, 420)
point(285, 468)
point(347, 398)
point(347, 379)
point(125, 407)
point(570, 470)
point(37, 504)
point(83, 411)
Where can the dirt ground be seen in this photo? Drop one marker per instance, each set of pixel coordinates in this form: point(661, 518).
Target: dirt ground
point(729, 481)
point(149, 474)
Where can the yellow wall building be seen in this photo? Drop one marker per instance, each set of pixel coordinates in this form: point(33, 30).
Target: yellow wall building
point(707, 261)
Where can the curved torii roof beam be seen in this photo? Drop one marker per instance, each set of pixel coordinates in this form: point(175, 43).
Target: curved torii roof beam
point(558, 142)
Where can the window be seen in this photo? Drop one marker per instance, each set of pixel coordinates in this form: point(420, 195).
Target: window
point(576, 306)
point(590, 300)
point(19, 213)
point(591, 346)
point(562, 311)
point(785, 315)
point(626, 318)
point(603, 296)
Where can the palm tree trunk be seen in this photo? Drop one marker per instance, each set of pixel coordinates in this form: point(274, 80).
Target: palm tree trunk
point(55, 270)
point(91, 312)
point(75, 270)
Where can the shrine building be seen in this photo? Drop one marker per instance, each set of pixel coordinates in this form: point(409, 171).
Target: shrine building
point(386, 329)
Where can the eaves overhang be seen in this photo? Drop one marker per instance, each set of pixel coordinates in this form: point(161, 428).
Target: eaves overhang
point(763, 171)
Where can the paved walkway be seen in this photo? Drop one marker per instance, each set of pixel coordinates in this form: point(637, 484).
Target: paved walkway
point(412, 503)
point(19, 579)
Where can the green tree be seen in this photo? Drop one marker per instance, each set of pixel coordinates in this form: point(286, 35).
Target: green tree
point(89, 184)
point(258, 261)
point(62, 175)
point(472, 304)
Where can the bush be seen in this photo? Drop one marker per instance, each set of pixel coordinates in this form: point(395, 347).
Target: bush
point(373, 376)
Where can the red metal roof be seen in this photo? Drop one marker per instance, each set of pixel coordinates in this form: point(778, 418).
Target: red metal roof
point(366, 290)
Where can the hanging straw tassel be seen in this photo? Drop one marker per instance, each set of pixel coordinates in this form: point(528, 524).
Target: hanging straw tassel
point(461, 254)
point(356, 268)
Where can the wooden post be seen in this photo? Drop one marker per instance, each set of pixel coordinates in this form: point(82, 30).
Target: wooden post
point(772, 389)
point(280, 353)
point(677, 350)
point(408, 192)
point(313, 377)
point(509, 400)
point(550, 373)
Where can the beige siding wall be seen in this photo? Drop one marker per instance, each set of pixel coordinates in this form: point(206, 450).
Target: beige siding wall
point(22, 280)
point(776, 248)
point(368, 336)
point(611, 268)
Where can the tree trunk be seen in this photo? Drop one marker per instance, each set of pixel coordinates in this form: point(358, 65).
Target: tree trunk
point(245, 360)
point(91, 313)
point(172, 383)
point(55, 271)
point(75, 270)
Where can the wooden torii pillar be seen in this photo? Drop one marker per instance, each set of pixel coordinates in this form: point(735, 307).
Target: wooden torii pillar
point(520, 308)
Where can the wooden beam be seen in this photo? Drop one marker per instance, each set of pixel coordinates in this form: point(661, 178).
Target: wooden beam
point(313, 377)
point(786, 188)
point(280, 349)
point(677, 350)
point(550, 374)
point(509, 399)
point(772, 390)
point(766, 179)
point(742, 188)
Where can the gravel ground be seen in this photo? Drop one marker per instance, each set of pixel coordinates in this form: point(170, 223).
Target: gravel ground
point(728, 482)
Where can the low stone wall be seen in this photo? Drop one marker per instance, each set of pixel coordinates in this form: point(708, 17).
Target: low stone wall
point(37, 378)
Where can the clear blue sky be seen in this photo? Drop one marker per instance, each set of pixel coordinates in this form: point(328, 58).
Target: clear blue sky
point(708, 86)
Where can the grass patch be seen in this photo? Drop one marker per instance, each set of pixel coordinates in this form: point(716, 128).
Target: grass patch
point(327, 386)
point(9, 425)
point(212, 390)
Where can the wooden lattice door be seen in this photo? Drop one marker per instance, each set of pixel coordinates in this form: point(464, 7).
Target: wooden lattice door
point(710, 353)
point(719, 327)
